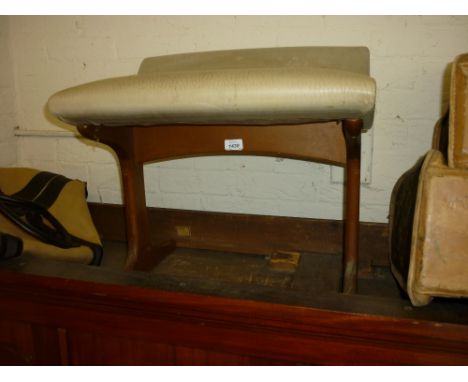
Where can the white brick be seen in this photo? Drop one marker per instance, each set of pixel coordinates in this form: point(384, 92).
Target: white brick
point(275, 186)
point(74, 170)
point(82, 50)
point(329, 193)
point(101, 153)
point(84, 150)
point(184, 163)
point(420, 135)
point(105, 176)
point(93, 195)
point(395, 79)
point(73, 150)
point(8, 117)
point(43, 165)
point(441, 21)
point(310, 209)
point(373, 196)
point(409, 104)
point(217, 182)
point(6, 67)
point(434, 78)
point(409, 58)
point(221, 162)
point(292, 166)
point(110, 196)
point(38, 149)
point(179, 181)
point(7, 100)
point(151, 178)
point(364, 22)
point(239, 205)
point(7, 127)
point(7, 154)
point(253, 163)
point(374, 212)
point(174, 200)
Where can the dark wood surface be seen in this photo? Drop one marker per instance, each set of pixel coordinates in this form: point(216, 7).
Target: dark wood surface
point(262, 235)
point(205, 307)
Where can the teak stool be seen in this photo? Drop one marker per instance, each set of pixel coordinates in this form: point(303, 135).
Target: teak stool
point(304, 103)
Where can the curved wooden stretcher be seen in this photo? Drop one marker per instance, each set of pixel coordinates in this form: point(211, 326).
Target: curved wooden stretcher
point(303, 103)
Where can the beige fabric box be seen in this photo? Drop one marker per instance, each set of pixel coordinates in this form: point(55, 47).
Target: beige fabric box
point(429, 208)
point(439, 245)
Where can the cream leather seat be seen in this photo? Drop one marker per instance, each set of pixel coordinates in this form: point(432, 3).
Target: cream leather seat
point(253, 86)
point(306, 103)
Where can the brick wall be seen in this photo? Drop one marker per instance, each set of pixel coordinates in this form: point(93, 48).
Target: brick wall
point(8, 119)
point(409, 60)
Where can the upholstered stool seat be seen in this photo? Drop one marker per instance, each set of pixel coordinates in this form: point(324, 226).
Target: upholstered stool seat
point(303, 102)
point(257, 86)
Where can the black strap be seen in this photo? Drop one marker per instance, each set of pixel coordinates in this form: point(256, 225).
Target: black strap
point(10, 246)
point(43, 189)
point(28, 209)
point(51, 191)
point(34, 186)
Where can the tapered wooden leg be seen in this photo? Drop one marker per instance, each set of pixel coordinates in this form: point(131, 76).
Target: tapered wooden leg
point(352, 133)
point(142, 254)
point(135, 210)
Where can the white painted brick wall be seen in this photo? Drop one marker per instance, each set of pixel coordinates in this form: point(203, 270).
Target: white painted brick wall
point(409, 60)
point(8, 120)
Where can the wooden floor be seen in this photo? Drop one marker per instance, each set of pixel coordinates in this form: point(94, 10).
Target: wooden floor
point(314, 284)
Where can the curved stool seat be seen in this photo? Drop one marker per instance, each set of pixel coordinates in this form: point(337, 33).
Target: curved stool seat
point(290, 102)
point(258, 86)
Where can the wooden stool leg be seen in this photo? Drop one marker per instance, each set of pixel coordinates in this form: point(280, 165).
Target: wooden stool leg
point(352, 133)
point(142, 254)
point(136, 216)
